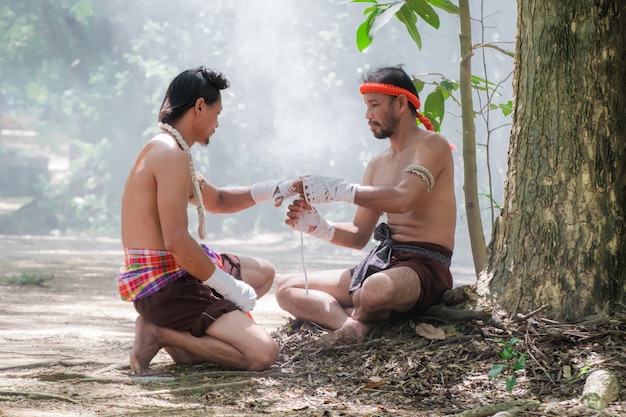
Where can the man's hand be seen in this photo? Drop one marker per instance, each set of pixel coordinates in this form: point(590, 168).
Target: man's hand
point(318, 189)
point(278, 190)
point(284, 190)
point(305, 218)
point(237, 292)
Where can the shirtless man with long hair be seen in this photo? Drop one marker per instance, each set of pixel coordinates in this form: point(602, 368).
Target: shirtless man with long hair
point(191, 300)
point(412, 182)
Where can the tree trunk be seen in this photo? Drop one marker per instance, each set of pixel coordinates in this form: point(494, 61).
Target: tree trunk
point(470, 184)
point(560, 238)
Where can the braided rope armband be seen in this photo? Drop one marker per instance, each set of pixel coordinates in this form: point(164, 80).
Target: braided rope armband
point(423, 173)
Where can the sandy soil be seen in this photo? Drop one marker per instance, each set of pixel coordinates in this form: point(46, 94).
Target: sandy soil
point(59, 338)
point(65, 343)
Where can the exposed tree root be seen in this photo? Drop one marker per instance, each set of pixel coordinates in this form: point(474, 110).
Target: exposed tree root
point(200, 389)
point(451, 315)
point(36, 396)
point(490, 410)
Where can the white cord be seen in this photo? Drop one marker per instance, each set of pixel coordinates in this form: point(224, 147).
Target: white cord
point(306, 278)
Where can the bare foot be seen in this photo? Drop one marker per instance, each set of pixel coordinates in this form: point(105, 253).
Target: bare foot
point(350, 332)
point(353, 331)
point(145, 346)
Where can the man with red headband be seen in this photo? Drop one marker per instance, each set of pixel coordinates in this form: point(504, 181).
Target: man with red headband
point(412, 182)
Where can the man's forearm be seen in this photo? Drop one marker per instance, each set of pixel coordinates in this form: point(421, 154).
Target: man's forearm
point(384, 199)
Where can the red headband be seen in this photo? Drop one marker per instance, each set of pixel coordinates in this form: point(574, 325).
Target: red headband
point(393, 90)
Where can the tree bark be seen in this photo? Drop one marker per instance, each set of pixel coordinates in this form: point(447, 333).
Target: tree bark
point(470, 184)
point(560, 238)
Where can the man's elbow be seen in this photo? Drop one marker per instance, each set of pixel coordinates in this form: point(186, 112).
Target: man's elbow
point(175, 242)
point(360, 243)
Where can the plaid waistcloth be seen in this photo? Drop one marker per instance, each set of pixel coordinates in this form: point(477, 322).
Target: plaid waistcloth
point(146, 271)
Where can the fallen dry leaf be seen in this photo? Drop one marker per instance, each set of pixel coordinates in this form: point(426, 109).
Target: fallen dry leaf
point(430, 332)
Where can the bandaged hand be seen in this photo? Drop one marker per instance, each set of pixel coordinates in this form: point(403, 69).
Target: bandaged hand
point(278, 190)
point(318, 189)
point(313, 223)
point(237, 292)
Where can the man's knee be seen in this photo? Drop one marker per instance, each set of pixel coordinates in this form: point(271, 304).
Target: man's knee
point(283, 286)
point(376, 293)
point(265, 356)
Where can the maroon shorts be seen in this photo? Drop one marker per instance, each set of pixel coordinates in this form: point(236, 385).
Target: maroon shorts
point(435, 277)
point(187, 305)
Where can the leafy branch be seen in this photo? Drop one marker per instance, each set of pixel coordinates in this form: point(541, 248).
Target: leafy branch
point(514, 361)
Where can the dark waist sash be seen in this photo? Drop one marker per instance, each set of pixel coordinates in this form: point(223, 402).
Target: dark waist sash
point(379, 258)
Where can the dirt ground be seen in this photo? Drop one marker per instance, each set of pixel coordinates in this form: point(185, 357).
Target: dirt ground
point(65, 343)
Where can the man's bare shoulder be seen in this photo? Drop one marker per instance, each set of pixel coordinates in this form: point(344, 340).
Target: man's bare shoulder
point(434, 140)
point(163, 149)
point(431, 146)
point(161, 142)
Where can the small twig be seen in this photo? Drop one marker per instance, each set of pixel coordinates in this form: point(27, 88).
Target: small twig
point(497, 48)
point(531, 345)
point(532, 313)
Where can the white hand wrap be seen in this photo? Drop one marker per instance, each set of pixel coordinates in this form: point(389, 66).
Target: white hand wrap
point(237, 292)
point(324, 229)
point(318, 189)
point(276, 189)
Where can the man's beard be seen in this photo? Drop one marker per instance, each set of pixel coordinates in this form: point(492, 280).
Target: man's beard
point(387, 128)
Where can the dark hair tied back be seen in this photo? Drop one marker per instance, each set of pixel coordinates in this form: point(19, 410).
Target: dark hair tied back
point(187, 88)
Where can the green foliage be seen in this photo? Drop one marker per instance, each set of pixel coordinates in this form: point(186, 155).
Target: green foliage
point(493, 202)
point(406, 12)
point(506, 108)
point(514, 361)
point(34, 279)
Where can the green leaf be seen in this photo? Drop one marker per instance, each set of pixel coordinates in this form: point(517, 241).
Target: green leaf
point(444, 92)
point(506, 108)
point(363, 1)
point(520, 364)
point(446, 5)
point(513, 341)
point(363, 39)
point(510, 383)
point(494, 203)
point(507, 353)
point(425, 11)
point(406, 16)
point(479, 80)
point(419, 84)
point(434, 107)
point(384, 16)
point(496, 370)
point(449, 85)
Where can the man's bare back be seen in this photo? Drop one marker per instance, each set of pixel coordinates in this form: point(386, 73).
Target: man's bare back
point(141, 227)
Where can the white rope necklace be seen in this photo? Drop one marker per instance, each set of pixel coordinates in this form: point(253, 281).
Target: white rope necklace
point(197, 194)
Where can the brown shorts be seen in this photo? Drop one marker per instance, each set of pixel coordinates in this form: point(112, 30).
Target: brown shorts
point(435, 277)
point(187, 305)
